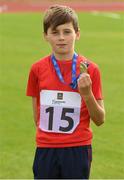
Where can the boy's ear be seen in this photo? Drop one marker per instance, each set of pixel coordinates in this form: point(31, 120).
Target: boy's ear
point(78, 35)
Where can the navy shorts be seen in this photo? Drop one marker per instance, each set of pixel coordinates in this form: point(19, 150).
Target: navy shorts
point(62, 163)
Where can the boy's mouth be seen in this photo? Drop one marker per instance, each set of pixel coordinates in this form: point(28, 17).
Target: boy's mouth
point(61, 45)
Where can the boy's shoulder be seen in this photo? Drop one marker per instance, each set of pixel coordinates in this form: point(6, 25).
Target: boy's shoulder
point(89, 63)
point(92, 67)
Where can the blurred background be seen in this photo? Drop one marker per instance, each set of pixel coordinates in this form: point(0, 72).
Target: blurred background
point(22, 43)
point(80, 5)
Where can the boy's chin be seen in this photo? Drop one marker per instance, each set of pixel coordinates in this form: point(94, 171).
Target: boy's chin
point(62, 51)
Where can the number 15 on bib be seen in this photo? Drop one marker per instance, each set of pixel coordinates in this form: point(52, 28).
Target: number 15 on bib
point(59, 111)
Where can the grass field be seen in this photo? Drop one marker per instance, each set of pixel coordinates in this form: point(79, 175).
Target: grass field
point(21, 44)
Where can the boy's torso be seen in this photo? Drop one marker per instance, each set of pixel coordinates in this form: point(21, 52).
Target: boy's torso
point(48, 81)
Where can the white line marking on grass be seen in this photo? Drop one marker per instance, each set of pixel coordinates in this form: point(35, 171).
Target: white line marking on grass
point(106, 14)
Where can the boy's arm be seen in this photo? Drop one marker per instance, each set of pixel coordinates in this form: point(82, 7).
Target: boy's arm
point(34, 105)
point(95, 107)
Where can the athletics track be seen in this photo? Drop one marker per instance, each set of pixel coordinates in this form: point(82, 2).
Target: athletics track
point(14, 7)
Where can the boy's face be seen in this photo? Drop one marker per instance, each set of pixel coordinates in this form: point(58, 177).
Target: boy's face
point(62, 39)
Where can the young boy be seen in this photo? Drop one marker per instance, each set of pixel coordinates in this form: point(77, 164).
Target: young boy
point(64, 100)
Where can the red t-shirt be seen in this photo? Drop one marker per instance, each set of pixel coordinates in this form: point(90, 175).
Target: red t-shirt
point(43, 77)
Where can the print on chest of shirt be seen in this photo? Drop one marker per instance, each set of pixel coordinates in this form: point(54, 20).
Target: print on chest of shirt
point(59, 111)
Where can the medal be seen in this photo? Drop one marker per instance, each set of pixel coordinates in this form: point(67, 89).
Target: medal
point(83, 68)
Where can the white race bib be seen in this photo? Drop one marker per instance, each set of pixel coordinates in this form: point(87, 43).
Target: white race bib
point(59, 111)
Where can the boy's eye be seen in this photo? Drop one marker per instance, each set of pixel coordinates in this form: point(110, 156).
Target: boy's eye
point(64, 32)
point(67, 32)
point(54, 32)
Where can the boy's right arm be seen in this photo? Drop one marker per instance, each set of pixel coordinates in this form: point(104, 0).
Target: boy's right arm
point(34, 105)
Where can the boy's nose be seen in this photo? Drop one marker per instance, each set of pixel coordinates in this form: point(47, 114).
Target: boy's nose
point(61, 36)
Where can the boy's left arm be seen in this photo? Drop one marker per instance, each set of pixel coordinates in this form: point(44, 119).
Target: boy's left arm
point(95, 107)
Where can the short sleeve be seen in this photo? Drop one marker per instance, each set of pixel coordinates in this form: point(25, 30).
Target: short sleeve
point(32, 85)
point(97, 84)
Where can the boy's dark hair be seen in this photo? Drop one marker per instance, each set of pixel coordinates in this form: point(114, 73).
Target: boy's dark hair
point(57, 15)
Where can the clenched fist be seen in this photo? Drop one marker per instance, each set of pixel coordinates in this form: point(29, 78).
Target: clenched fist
point(85, 85)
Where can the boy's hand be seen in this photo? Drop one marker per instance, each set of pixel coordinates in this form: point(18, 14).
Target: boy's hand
point(84, 85)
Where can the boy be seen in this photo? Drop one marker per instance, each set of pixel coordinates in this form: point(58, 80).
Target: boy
point(64, 101)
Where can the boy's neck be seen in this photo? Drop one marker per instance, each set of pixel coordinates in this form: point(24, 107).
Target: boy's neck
point(63, 57)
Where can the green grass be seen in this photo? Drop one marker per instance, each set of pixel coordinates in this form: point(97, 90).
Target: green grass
point(21, 44)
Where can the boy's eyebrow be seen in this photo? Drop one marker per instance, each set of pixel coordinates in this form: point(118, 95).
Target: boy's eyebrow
point(67, 29)
point(63, 29)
